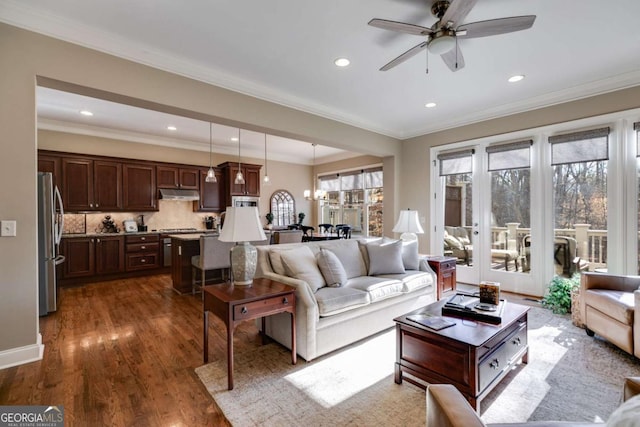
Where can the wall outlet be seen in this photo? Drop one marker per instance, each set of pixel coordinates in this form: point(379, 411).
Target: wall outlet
point(8, 228)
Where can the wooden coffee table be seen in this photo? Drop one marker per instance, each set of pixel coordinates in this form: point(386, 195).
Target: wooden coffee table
point(472, 355)
point(235, 304)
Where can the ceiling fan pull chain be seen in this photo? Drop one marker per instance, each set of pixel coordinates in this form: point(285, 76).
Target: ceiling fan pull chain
point(426, 53)
point(457, 50)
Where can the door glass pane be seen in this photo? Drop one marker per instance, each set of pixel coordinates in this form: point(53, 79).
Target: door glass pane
point(374, 212)
point(580, 204)
point(511, 220)
point(458, 218)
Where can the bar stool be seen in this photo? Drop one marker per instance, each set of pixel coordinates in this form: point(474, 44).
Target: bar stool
point(214, 255)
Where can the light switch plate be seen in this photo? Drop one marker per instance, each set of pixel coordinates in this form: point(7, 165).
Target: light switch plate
point(8, 228)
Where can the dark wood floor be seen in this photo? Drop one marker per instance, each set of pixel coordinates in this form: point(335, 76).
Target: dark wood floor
point(123, 353)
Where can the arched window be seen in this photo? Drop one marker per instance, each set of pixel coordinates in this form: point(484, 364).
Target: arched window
point(283, 208)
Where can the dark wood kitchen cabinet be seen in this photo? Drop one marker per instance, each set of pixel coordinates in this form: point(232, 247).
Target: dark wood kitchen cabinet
point(139, 187)
point(89, 256)
point(177, 177)
point(212, 196)
point(142, 252)
point(50, 163)
point(89, 185)
point(251, 174)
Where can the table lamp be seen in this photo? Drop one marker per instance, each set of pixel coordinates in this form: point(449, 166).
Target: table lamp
point(408, 225)
point(242, 225)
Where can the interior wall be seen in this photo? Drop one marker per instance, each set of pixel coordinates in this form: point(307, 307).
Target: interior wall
point(29, 59)
point(416, 161)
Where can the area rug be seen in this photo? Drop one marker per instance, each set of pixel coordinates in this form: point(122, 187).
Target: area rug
point(569, 377)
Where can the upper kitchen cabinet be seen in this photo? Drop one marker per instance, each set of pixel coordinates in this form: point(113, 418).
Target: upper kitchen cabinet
point(251, 173)
point(139, 187)
point(177, 177)
point(91, 184)
point(212, 195)
point(50, 163)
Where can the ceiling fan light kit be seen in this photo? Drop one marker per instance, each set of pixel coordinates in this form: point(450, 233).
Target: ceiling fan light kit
point(442, 37)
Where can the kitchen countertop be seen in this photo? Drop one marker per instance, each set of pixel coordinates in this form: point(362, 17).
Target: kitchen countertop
point(137, 233)
point(196, 236)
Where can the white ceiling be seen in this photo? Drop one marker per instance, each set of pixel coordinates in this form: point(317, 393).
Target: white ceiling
point(283, 51)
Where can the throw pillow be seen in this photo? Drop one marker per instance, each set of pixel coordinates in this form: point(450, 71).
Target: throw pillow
point(349, 255)
point(331, 268)
point(385, 258)
point(410, 257)
point(301, 264)
point(627, 414)
point(453, 243)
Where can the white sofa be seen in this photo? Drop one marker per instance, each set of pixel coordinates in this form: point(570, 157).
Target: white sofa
point(346, 290)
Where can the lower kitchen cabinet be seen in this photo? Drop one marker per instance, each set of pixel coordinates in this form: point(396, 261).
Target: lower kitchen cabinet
point(142, 252)
point(90, 256)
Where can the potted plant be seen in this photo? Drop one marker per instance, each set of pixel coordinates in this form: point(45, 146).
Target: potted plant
point(269, 218)
point(558, 295)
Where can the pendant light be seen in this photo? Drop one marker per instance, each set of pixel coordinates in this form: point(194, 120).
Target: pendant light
point(239, 177)
point(211, 176)
point(317, 194)
point(266, 180)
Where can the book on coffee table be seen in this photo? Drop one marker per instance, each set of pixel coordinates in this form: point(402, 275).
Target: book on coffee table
point(432, 322)
point(469, 306)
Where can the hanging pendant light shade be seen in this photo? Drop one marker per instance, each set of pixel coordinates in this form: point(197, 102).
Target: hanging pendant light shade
point(239, 177)
point(211, 176)
point(266, 180)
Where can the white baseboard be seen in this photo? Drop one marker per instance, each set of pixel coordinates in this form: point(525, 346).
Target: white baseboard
point(21, 355)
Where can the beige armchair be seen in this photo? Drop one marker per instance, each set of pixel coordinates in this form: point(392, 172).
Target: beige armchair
point(447, 407)
point(457, 242)
point(610, 307)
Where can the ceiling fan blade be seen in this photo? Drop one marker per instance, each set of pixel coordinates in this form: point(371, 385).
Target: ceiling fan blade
point(400, 27)
point(457, 11)
point(493, 27)
point(408, 54)
point(454, 59)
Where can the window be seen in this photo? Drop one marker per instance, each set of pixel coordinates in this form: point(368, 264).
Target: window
point(283, 208)
point(354, 198)
point(509, 165)
point(579, 162)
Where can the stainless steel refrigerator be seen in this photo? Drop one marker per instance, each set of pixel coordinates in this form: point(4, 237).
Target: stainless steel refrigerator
point(50, 225)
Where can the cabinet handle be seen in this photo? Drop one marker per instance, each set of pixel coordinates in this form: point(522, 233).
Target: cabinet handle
point(244, 310)
point(517, 341)
point(97, 205)
point(495, 364)
point(90, 205)
point(98, 240)
point(143, 247)
point(285, 300)
point(143, 238)
point(143, 260)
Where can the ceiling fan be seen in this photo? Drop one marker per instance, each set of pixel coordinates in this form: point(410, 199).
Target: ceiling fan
point(442, 37)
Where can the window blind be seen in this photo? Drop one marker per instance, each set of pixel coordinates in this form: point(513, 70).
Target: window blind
point(513, 155)
point(456, 162)
point(373, 178)
point(585, 146)
point(351, 180)
point(329, 182)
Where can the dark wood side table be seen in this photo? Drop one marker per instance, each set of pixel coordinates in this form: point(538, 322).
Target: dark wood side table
point(445, 269)
point(234, 304)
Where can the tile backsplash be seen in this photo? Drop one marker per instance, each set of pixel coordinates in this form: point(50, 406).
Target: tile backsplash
point(171, 214)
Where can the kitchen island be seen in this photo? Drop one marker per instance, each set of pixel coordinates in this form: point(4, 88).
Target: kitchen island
point(185, 246)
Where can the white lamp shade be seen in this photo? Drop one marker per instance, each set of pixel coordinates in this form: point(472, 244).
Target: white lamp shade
point(408, 223)
point(242, 224)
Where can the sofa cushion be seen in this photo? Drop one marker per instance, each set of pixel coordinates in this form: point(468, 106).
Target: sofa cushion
point(349, 255)
point(301, 264)
point(337, 300)
point(378, 288)
point(385, 258)
point(331, 268)
point(616, 304)
point(411, 280)
point(452, 242)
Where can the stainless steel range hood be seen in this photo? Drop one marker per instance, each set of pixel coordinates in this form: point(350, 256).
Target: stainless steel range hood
point(179, 195)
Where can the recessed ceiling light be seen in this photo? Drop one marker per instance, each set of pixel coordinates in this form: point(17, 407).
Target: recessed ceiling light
point(516, 78)
point(430, 104)
point(172, 127)
point(86, 113)
point(235, 138)
point(342, 62)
